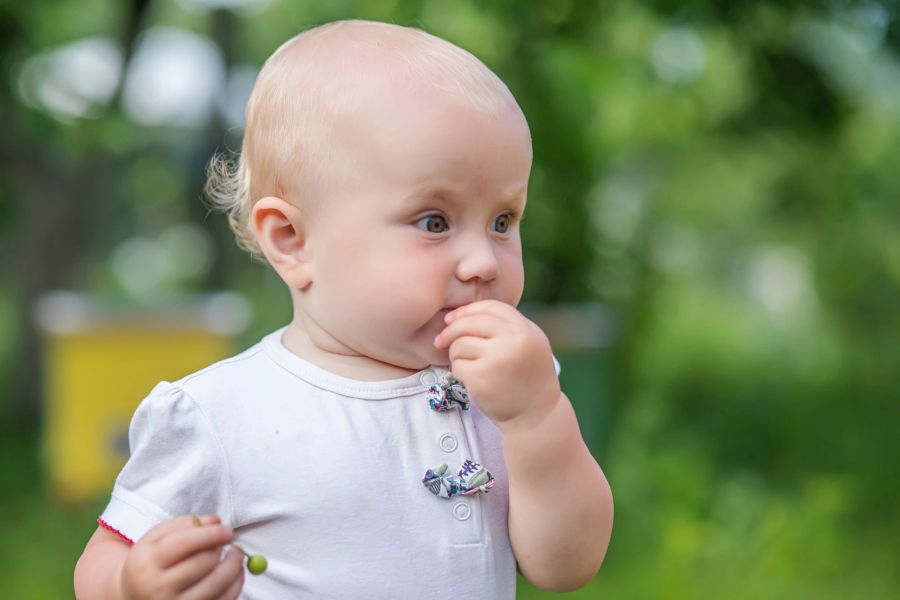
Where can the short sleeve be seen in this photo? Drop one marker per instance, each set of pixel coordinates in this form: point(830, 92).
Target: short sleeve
point(176, 467)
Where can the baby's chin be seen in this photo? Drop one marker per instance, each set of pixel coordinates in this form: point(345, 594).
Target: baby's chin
point(428, 357)
point(418, 354)
point(440, 358)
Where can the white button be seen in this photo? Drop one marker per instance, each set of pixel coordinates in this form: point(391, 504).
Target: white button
point(448, 442)
point(428, 377)
point(462, 511)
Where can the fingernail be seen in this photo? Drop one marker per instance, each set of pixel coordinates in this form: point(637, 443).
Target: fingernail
point(448, 317)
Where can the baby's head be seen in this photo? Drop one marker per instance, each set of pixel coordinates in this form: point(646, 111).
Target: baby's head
point(382, 175)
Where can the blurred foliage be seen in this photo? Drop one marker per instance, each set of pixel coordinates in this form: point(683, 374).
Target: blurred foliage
point(721, 174)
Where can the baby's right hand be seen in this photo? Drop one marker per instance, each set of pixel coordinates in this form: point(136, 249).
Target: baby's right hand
point(178, 559)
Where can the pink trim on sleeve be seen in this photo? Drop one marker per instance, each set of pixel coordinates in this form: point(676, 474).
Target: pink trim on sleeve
point(106, 525)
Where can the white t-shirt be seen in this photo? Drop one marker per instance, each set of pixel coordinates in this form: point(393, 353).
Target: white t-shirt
point(321, 474)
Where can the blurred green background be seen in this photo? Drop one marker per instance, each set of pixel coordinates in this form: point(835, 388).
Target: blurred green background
point(714, 197)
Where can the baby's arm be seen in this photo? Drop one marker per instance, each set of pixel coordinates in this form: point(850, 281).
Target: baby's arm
point(98, 572)
point(175, 559)
point(560, 504)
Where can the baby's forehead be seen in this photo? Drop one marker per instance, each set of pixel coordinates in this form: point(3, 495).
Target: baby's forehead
point(335, 64)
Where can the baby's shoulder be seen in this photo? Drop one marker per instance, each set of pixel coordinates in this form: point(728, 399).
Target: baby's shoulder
point(228, 381)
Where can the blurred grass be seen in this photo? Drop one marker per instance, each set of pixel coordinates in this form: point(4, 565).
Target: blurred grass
point(42, 540)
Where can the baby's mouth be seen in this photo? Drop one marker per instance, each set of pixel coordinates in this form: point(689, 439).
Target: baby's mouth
point(443, 312)
point(447, 309)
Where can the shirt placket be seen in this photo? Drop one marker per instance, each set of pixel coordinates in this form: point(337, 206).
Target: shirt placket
point(458, 478)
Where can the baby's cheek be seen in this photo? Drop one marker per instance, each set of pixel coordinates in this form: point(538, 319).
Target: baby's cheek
point(410, 273)
point(513, 285)
point(396, 300)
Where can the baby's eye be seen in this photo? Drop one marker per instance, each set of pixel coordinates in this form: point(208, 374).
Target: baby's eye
point(433, 224)
point(502, 223)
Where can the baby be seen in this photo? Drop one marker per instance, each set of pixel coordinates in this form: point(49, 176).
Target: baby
point(405, 436)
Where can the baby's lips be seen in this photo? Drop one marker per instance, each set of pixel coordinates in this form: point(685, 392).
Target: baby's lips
point(450, 313)
point(453, 313)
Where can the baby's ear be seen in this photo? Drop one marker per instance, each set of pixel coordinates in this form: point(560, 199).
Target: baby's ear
point(281, 232)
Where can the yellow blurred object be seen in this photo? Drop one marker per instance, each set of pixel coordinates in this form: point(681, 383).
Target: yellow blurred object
point(100, 362)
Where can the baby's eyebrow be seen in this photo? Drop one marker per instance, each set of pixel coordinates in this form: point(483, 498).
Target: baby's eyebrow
point(453, 197)
point(440, 193)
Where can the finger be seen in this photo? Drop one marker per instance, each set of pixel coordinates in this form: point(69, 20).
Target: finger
point(177, 524)
point(466, 347)
point(462, 368)
point(181, 544)
point(495, 307)
point(479, 325)
point(235, 590)
point(192, 569)
point(222, 578)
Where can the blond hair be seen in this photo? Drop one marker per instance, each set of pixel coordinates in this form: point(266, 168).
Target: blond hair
point(304, 90)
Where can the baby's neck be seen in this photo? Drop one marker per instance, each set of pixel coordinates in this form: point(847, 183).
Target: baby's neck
point(354, 366)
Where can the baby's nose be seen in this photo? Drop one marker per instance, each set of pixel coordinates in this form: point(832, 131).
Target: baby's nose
point(478, 261)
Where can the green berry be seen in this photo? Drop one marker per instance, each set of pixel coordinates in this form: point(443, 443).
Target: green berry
point(257, 564)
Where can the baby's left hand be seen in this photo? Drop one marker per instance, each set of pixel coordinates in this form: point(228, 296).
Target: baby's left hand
point(504, 360)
